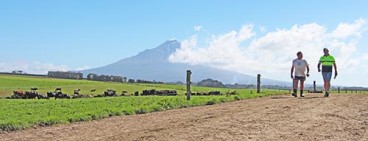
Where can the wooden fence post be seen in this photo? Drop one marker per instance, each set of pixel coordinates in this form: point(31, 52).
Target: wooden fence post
point(188, 84)
point(258, 83)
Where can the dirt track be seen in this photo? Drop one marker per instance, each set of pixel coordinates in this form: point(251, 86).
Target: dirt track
point(339, 117)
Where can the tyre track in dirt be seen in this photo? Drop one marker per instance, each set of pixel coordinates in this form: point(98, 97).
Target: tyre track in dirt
point(339, 117)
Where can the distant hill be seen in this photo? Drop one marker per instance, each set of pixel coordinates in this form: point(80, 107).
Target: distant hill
point(153, 64)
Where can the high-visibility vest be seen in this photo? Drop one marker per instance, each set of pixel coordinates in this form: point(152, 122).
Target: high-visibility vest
point(327, 60)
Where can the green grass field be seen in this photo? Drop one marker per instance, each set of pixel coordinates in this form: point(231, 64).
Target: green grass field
point(8, 83)
point(19, 114)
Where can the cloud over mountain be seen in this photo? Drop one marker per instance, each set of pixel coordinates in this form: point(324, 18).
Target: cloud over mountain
point(153, 64)
point(245, 52)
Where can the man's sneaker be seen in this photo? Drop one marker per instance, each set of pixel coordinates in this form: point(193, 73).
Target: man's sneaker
point(327, 94)
point(294, 94)
point(301, 95)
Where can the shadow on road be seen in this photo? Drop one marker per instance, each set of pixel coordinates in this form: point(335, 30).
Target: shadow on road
point(310, 97)
point(286, 97)
point(281, 97)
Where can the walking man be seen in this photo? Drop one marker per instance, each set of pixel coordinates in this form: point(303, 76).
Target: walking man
point(327, 62)
point(299, 64)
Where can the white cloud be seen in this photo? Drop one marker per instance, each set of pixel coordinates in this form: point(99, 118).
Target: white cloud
point(263, 29)
point(197, 28)
point(365, 57)
point(272, 53)
point(35, 67)
point(344, 30)
point(221, 50)
point(363, 64)
point(276, 49)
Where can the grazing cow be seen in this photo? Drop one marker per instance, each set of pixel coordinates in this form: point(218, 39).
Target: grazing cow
point(50, 94)
point(124, 93)
point(62, 96)
point(30, 95)
point(232, 93)
point(76, 91)
point(110, 92)
point(214, 93)
point(41, 96)
point(136, 93)
point(17, 94)
point(171, 93)
point(57, 94)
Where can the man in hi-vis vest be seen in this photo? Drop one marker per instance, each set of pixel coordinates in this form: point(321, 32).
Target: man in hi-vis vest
point(327, 62)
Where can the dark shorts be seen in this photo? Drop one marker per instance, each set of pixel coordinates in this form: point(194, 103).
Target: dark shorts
point(299, 78)
point(327, 76)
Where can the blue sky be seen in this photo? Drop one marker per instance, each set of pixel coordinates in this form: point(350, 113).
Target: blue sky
point(36, 35)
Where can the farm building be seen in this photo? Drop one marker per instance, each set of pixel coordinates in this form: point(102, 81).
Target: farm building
point(66, 75)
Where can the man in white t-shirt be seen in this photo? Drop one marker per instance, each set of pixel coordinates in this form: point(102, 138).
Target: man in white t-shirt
point(299, 64)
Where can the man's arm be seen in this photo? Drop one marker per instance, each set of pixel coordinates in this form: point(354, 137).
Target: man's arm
point(292, 71)
point(335, 67)
point(307, 71)
point(319, 67)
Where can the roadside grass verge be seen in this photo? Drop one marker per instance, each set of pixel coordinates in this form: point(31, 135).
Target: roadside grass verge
point(22, 114)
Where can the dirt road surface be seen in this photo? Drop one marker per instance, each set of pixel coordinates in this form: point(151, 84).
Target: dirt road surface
point(339, 117)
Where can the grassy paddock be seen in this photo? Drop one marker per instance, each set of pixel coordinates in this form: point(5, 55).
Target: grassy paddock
point(8, 83)
point(17, 114)
point(22, 114)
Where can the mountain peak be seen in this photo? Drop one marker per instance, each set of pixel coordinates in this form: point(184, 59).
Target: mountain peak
point(164, 50)
point(172, 41)
point(160, 53)
point(170, 44)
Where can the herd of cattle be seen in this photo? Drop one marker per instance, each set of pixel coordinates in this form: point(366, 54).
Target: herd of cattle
point(159, 92)
point(33, 94)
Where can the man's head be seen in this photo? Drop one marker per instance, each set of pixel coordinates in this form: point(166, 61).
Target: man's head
point(300, 55)
point(326, 51)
